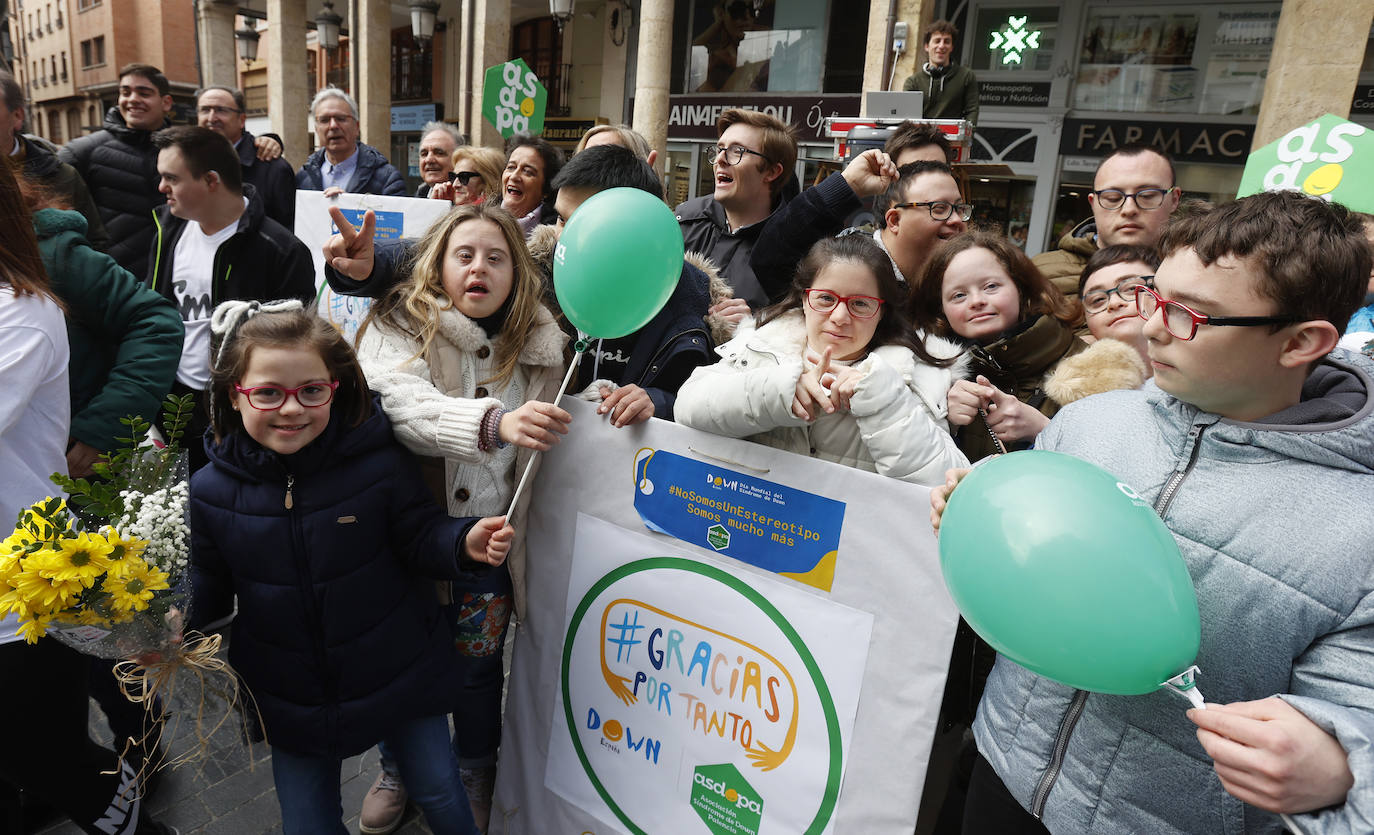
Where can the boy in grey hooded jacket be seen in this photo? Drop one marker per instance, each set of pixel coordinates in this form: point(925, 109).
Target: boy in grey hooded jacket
point(1255, 443)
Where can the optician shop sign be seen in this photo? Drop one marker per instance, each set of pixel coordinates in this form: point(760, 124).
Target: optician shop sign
point(694, 117)
point(1185, 142)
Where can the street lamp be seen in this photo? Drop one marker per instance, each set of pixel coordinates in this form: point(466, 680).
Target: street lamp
point(327, 23)
point(422, 14)
point(247, 38)
point(560, 11)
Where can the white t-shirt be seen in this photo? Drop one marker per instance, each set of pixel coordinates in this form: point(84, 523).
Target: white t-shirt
point(35, 409)
point(192, 265)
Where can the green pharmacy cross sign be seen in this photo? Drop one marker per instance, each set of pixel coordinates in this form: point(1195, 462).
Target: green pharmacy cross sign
point(513, 99)
point(1015, 40)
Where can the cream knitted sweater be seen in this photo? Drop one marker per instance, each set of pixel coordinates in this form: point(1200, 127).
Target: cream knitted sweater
point(436, 403)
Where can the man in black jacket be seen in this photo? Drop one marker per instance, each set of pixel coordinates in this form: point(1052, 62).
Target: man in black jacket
point(119, 163)
point(223, 110)
point(753, 161)
point(41, 165)
point(213, 242)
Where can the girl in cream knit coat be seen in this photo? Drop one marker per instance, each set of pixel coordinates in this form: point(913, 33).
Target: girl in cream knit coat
point(467, 362)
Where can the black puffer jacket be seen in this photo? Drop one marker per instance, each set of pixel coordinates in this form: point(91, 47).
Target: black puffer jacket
point(43, 165)
point(339, 634)
point(119, 165)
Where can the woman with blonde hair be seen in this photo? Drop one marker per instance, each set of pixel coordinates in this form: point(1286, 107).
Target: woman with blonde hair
point(468, 363)
point(622, 135)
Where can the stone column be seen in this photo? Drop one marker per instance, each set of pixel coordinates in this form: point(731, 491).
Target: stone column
point(287, 103)
point(218, 51)
point(1315, 65)
point(374, 73)
point(491, 46)
point(652, 62)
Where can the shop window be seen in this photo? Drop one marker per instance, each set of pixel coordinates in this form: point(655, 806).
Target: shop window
point(1176, 59)
point(540, 44)
point(336, 67)
point(1013, 39)
point(756, 46)
point(412, 68)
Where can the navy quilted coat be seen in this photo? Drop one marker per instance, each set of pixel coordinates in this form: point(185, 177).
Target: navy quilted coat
point(339, 634)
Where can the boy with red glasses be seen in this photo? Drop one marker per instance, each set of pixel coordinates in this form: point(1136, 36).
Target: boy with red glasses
point(1255, 442)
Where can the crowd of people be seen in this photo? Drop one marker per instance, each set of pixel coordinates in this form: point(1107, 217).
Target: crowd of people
point(349, 500)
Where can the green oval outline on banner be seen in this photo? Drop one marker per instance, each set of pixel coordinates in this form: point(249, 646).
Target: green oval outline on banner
point(832, 721)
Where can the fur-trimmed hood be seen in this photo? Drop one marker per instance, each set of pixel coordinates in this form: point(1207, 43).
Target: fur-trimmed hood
point(1106, 365)
point(721, 330)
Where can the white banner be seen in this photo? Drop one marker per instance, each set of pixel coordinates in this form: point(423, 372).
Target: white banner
point(397, 217)
point(709, 647)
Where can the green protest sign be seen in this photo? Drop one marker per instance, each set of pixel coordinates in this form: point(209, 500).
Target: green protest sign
point(513, 99)
point(1331, 158)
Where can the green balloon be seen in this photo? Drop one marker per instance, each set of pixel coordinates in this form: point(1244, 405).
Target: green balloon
point(1068, 572)
point(617, 262)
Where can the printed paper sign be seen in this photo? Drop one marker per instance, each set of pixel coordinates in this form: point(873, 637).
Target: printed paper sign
point(397, 217)
point(692, 701)
point(662, 685)
point(779, 528)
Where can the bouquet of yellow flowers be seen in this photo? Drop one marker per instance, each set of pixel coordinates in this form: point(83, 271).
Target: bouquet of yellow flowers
point(102, 570)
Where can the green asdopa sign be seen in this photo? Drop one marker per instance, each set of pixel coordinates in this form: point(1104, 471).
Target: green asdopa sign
point(513, 99)
point(1331, 158)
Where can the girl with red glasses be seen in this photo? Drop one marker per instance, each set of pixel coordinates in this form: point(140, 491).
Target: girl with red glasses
point(834, 371)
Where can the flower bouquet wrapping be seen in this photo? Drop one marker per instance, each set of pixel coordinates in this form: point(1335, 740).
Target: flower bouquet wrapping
point(105, 571)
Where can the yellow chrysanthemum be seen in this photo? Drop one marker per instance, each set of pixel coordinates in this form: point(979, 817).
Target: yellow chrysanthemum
point(18, 543)
point(133, 591)
point(41, 594)
point(34, 628)
point(122, 549)
point(81, 558)
point(32, 521)
point(13, 602)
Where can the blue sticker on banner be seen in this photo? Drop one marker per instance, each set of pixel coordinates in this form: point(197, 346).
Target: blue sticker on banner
point(775, 527)
point(390, 225)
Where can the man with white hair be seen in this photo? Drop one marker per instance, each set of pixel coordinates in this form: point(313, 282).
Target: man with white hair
point(438, 141)
point(343, 163)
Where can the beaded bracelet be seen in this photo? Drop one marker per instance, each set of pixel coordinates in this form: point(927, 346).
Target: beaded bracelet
point(489, 434)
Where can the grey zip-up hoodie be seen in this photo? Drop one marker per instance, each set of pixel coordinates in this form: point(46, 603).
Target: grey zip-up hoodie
point(1276, 523)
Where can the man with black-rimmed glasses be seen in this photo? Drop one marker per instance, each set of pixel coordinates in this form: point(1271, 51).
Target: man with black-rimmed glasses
point(1133, 195)
point(752, 162)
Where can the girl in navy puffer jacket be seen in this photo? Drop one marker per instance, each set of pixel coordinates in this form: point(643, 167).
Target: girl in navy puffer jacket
point(319, 521)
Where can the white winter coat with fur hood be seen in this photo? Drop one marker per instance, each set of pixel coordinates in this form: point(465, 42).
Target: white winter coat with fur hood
point(436, 402)
point(896, 425)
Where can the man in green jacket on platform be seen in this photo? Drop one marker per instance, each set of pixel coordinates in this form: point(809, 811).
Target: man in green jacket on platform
point(951, 92)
